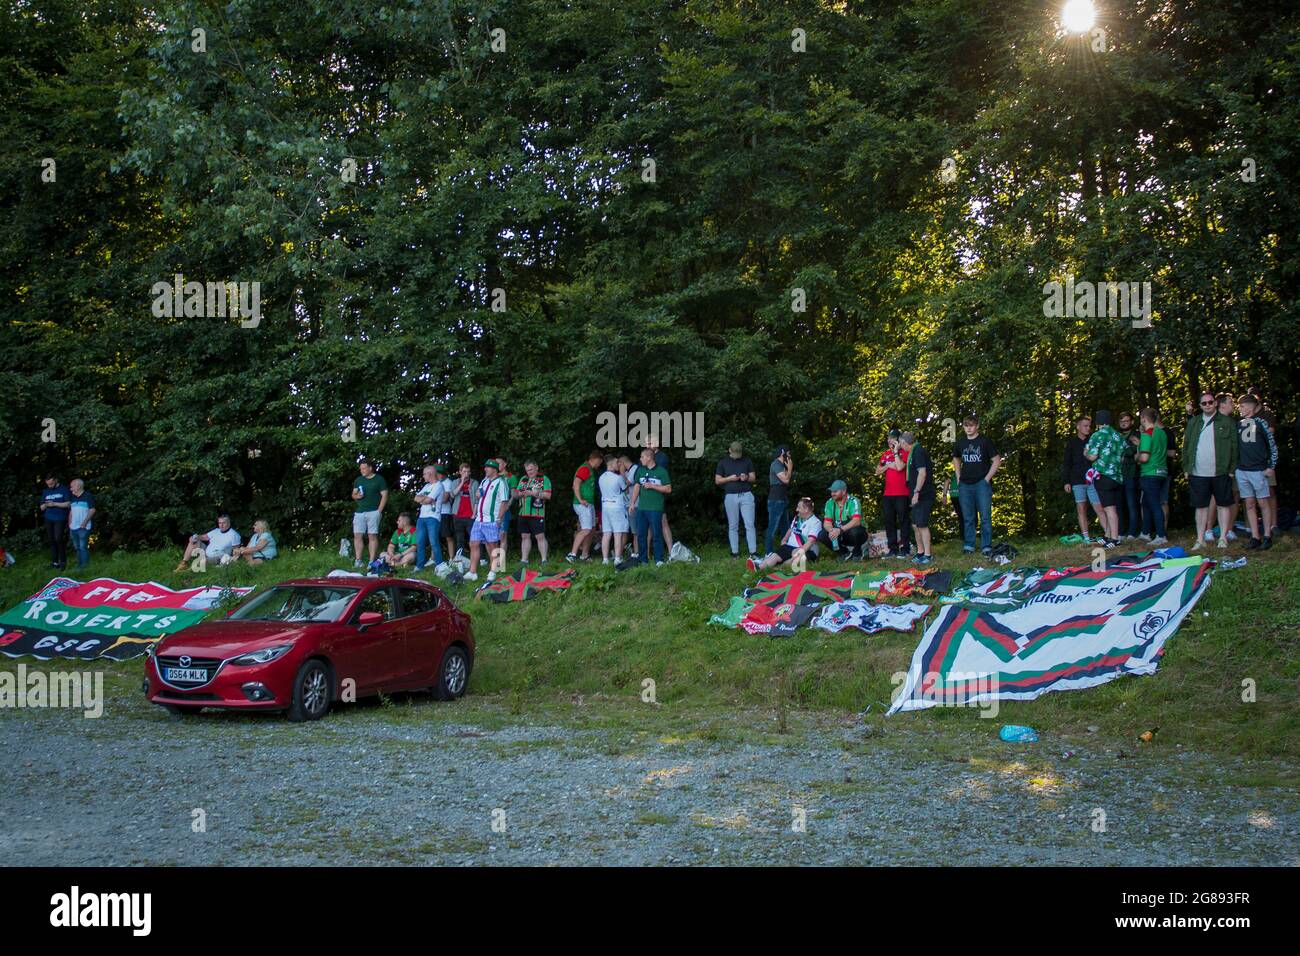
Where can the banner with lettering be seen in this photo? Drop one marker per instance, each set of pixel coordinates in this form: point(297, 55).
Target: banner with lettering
point(103, 618)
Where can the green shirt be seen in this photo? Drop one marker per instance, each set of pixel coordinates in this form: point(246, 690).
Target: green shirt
point(587, 475)
point(1108, 446)
point(533, 507)
point(370, 490)
point(841, 513)
point(403, 541)
point(1128, 461)
point(648, 498)
point(1156, 443)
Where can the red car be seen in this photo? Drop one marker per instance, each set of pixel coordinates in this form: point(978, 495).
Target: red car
point(300, 645)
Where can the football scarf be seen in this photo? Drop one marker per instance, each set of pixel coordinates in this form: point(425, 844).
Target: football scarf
point(807, 587)
point(869, 617)
point(103, 618)
point(525, 584)
point(1078, 628)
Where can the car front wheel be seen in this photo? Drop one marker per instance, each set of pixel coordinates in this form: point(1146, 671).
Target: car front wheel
point(453, 674)
point(311, 692)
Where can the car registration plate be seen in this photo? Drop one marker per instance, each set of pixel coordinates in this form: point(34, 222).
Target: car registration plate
point(194, 675)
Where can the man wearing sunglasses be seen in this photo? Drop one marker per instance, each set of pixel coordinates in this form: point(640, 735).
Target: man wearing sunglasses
point(1209, 460)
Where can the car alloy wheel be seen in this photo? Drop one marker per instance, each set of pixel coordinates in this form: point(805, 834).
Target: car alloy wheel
point(453, 673)
point(311, 692)
point(315, 691)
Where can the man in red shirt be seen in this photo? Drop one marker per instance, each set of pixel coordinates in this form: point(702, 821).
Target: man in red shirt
point(898, 500)
point(464, 499)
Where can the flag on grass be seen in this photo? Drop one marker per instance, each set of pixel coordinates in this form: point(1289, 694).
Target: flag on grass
point(807, 587)
point(1071, 629)
point(524, 584)
point(103, 618)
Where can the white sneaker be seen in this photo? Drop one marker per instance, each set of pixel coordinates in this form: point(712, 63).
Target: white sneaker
point(1232, 535)
point(1199, 545)
point(1159, 542)
point(1209, 534)
point(1223, 543)
point(469, 576)
point(1144, 536)
point(491, 575)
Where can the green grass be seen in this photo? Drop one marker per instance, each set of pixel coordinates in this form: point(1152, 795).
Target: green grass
point(581, 658)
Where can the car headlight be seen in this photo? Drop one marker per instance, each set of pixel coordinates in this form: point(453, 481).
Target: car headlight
point(264, 656)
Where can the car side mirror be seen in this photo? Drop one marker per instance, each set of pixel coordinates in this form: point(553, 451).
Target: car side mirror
point(369, 619)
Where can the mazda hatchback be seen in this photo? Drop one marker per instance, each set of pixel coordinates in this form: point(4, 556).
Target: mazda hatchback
point(299, 646)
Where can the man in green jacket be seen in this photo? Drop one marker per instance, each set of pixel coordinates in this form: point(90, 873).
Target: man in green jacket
point(1210, 460)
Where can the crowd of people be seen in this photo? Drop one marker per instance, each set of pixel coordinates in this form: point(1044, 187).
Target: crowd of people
point(1117, 466)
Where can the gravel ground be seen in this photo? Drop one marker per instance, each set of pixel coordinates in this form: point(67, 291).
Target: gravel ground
point(407, 785)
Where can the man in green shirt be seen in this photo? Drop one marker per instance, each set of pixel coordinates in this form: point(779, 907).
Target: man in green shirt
point(1153, 475)
point(584, 506)
point(648, 495)
point(533, 491)
point(842, 523)
point(370, 492)
point(401, 547)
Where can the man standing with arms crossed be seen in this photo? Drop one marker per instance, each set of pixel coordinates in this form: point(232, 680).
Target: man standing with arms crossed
point(920, 482)
point(779, 474)
point(1209, 459)
point(370, 492)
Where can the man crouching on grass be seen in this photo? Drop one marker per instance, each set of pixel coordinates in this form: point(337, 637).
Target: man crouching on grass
point(800, 539)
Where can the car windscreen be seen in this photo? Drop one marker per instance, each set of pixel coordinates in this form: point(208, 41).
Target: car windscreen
point(298, 603)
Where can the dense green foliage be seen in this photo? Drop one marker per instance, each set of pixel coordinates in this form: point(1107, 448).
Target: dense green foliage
point(522, 169)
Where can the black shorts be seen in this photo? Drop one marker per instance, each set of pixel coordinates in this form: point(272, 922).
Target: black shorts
point(531, 524)
point(786, 552)
point(1199, 491)
point(921, 513)
point(1108, 490)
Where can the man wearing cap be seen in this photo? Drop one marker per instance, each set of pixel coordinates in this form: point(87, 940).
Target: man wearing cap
point(778, 496)
point(735, 474)
point(429, 523)
point(893, 465)
point(842, 522)
point(370, 492)
point(493, 502)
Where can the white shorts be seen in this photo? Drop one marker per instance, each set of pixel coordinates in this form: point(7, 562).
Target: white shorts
point(365, 522)
point(1252, 484)
point(613, 518)
point(586, 516)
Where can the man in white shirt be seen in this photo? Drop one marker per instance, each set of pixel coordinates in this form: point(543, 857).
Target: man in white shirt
point(429, 521)
point(215, 545)
point(614, 523)
point(493, 502)
point(800, 539)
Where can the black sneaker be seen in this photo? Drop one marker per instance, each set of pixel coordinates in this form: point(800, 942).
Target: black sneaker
point(986, 551)
point(570, 557)
point(1254, 544)
point(1267, 543)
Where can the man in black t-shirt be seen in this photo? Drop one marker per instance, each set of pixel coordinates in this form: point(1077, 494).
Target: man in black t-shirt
point(735, 475)
point(920, 482)
point(975, 461)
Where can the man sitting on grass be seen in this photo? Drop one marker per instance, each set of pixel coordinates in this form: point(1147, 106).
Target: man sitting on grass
point(402, 545)
point(842, 522)
point(800, 539)
point(215, 545)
